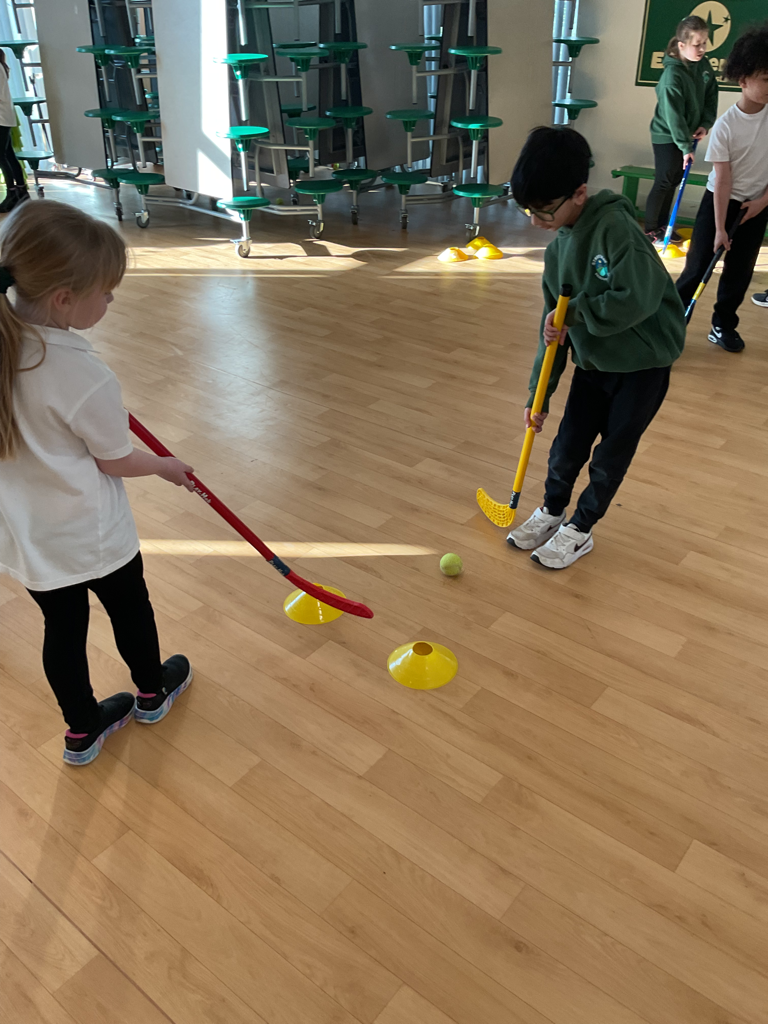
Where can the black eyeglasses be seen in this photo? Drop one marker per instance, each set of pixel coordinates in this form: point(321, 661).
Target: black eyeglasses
point(545, 215)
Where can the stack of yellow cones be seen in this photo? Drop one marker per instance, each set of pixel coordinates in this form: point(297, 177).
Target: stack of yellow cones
point(479, 247)
point(485, 250)
point(422, 665)
point(308, 610)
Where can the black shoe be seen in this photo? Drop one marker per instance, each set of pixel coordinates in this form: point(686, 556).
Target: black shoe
point(23, 194)
point(177, 675)
point(11, 199)
point(731, 341)
point(760, 298)
point(677, 239)
point(115, 712)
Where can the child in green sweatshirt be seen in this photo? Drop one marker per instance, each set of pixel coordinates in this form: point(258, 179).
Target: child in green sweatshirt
point(686, 109)
point(625, 327)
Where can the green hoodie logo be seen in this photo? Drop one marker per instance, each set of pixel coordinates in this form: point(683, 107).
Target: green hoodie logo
point(600, 263)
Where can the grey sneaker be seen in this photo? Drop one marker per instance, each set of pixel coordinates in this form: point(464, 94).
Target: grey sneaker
point(566, 547)
point(535, 531)
point(760, 298)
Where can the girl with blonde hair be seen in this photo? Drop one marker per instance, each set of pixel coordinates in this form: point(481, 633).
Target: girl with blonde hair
point(66, 527)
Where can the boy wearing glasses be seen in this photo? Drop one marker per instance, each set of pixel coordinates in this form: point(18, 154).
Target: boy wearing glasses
point(625, 327)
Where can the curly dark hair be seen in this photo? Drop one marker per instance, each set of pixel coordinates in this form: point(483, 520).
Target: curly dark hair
point(749, 55)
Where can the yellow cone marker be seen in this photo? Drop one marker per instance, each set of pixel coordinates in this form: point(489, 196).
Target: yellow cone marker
point(454, 255)
point(478, 243)
point(489, 252)
point(300, 607)
point(422, 665)
point(674, 252)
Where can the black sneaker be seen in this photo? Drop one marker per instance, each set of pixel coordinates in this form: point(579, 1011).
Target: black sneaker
point(760, 298)
point(116, 711)
point(11, 199)
point(731, 341)
point(177, 675)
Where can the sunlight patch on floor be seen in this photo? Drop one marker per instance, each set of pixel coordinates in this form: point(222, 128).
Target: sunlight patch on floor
point(285, 549)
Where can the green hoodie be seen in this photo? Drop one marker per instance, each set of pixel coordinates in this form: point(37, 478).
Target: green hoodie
point(625, 313)
point(687, 100)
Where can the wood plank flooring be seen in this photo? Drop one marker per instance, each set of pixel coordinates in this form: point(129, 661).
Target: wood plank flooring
point(574, 831)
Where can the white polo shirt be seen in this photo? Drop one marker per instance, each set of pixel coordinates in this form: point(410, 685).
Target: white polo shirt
point(63, 521)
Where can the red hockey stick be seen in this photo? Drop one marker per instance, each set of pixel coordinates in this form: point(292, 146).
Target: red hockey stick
point(342, 603)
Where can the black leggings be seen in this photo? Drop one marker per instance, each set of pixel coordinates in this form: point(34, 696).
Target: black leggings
point(669, 173)
point(10, 167)
point(66, 610)
point(619, 407)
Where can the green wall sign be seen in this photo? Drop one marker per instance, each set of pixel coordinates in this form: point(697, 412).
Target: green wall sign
point(726, 22)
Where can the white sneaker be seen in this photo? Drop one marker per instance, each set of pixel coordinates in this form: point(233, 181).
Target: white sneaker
point(565, 548)
point(535, 531)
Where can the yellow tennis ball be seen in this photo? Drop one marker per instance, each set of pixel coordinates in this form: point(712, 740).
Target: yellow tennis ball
point(451, 565)
point(279, 201)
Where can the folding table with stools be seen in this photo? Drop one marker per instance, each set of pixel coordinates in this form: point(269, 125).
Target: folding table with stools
point(243, 136)
point(318, 188)
point(404, 180)
point(142, 181)
point(243, 206)
point(354, 177)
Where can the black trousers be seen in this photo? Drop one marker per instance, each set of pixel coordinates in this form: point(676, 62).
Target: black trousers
point(668, 162)
point(11, 169)
point(738, 263)
point(617, 406)
point(126, 600)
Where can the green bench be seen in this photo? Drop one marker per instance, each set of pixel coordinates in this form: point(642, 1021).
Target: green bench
point(631, 179)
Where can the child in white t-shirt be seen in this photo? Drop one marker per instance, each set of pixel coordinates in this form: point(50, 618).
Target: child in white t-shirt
point(65, 523)
point(738, 148)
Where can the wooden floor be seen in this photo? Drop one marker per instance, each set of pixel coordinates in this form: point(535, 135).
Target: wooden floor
point(574, 831)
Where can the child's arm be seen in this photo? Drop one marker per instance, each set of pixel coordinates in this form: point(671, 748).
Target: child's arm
point(671, 106)
point(561, 360)
point(754, 206)
point(140, 463)
point(723, 182)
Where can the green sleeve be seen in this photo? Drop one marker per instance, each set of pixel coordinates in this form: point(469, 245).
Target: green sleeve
point(550, 301)
point(709, 115)
point(637, 282)
point(671, 105)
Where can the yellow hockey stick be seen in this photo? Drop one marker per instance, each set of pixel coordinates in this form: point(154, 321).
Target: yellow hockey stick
point(504, 515)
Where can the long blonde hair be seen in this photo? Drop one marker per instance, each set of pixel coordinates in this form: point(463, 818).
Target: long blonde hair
point(45, 246)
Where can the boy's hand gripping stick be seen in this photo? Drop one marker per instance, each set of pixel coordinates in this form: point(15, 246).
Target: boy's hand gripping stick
point(503, 515)
point(710, 269)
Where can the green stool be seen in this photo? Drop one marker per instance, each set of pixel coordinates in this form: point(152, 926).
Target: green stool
point(342, 52)
point(354, 177)
point(301, 57)
point(575, 43)
point(33, 158)
point(241, 64)
point(311, 126)
point(409, 119)
point(131, 56)
point(17, 46)
point(403, 180)
point(475, 55)
point(111, 178)
point(103, 59)
point(142, 183)
point(137, 120)
point(318, 188)
point(574, 107)
point(243, 136)
point(106, 116)
point(25, 105)
point(480, 195)
point(243, 206)
point(349, 116)
point(295, 109)
point(414, 52)
point(476, 126)
point(297, 165)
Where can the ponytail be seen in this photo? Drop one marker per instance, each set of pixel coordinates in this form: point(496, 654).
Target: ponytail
point(687, 27)
point(46, 246)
